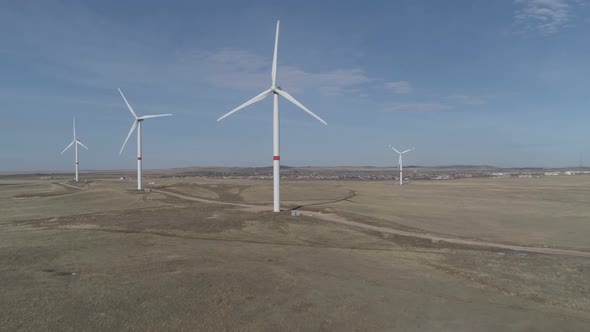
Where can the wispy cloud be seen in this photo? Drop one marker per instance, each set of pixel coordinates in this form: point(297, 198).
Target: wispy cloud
point(239, 69)
point(466, 100)
point(454, 101)
point(545, 16)
point(236, 59)
point(399, 87)
point(418, 107)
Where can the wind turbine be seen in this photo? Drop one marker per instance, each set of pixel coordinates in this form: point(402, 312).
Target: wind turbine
point(401, 168)
point(75, 143)
point(137, 123)
point(276, 91)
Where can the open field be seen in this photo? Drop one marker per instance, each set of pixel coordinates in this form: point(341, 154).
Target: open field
point(207, 254)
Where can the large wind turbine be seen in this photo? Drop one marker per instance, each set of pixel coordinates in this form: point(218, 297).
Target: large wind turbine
point(75, 143)
point(275, 91)
point(137, 123)
point(401, 167)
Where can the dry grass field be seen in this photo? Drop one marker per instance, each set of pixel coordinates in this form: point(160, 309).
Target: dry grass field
point(204, 254)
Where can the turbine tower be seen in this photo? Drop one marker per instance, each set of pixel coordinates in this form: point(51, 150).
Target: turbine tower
point(276, 91)
point(400, 163)
point(137, 123)
point(75, 143)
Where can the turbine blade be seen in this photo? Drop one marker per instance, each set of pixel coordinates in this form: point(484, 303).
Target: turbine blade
point(249, 102)
point(274, 57)
point(127, 103)
point(298, 104)
point(408, 150)
point(67, 147)
point(74, 128)
point(152, 116)
point(129, 135)
point(394, 149)
point(77, 141)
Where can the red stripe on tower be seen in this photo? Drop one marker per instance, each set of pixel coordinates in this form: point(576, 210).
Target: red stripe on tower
point(276, 158)
point(138, 158)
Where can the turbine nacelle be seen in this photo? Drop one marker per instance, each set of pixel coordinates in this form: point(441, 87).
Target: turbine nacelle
point(138, 119)
point(402, 152)
point(278, 91)
point(75, 140)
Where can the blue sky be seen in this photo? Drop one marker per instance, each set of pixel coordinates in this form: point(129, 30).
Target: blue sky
point(466, 82)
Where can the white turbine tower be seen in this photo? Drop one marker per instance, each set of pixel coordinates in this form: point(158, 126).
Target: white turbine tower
point(276, 91)
point(400, 163)
point(137, 123)
point(75, 143)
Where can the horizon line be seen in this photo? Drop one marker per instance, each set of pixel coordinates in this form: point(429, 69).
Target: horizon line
point(458, 166)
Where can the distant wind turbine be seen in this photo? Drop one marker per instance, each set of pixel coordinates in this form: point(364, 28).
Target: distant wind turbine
point(400, 163)
point(137, 123)
point(275, 91)
point(75, 143)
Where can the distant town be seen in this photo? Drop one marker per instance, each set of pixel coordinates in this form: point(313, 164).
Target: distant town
point(362, 173)
point(377, 173)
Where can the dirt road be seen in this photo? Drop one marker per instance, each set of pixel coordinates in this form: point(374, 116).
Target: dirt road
point(434, 238)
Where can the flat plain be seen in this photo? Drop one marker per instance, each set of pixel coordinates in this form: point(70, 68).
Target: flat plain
point(208, 254)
